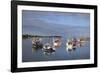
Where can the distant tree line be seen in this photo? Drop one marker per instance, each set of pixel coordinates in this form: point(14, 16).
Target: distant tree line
point(30, 36)
point(26, 36)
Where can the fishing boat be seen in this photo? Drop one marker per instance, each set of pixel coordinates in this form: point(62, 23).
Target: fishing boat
point(36, 40)
point(57, 42)
point(71, 44)
point(36, 43)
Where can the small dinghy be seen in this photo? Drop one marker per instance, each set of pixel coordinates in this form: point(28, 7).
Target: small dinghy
point(48, 48)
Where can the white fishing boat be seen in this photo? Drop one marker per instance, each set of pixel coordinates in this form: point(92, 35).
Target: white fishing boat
point(57, 42)
point(69, 46)
point(36, 40)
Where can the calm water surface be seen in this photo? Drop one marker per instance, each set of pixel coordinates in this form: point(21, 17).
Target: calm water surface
point(30, 54)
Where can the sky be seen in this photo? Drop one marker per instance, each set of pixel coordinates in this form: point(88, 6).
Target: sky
point(54, 23)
